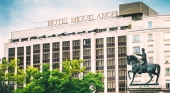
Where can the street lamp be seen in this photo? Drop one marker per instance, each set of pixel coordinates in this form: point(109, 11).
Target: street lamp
point(6, 85)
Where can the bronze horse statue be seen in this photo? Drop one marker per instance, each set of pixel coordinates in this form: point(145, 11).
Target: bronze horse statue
point(150, 69)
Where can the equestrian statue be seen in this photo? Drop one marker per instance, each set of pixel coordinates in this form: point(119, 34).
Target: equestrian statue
point(142, 67)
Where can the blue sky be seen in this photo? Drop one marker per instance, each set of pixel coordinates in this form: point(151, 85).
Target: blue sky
point(22, 14)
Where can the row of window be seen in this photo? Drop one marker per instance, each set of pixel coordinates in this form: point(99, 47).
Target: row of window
point(64, 34)
point(150, 48)
point(136, 38)
point(166, 23)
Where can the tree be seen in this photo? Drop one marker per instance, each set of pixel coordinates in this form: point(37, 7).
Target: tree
point(66, 81)
point(8, 75)
point(30, 73)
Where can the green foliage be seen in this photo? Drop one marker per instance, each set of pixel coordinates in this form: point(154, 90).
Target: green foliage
point(56, 81)
point(72, 67)
point(20, 77)
point(30, 73)
point(91, 82)
point(7, 72)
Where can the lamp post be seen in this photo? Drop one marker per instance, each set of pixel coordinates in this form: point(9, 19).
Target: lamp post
point(6, 85)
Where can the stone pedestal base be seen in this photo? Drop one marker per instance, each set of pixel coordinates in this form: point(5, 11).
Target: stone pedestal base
point(144, 89)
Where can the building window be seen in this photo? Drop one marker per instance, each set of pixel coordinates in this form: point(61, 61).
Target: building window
point(110, 62)
point(136, 38)
point(150, 59)
point(150, 24)
point(46, 52)
point(150, 48)
point(66, 50)
point(24, 39)
point(11, 52)
point(123, 27)
point(167, 23)
point(28, 55)
point(136, 49)
point(167, 71)
point(99, 63)
point(110, 50)
point(46, 47)
point(166, 35)
point(167, 47)
point(66, 43)
point(36, 55)
point(76, 54)
point(15, 40)
point(150, 37)
point(102, 30)
point(55, 54)
point(56, 65)
point(99, 41)
point(167, 85)
point(99, 52)
point(87, 42)
point(76, 42)
point(87, 63)
point(86, 52)
point(113, 29)
point(167, 59)
point(76, 49)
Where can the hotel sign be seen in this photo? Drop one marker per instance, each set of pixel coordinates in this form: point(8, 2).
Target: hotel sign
point(85, 18)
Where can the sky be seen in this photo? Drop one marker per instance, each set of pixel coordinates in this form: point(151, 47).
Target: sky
point(16, 15)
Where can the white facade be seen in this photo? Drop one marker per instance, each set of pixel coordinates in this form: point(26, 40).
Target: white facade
point(156, 38)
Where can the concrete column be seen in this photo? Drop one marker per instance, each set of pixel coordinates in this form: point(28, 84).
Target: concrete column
point(41, 56)
point(81, 53)
point(6, 51)
point(61, 60)
point(25, 62)
point(93, 52)
point(29, 39)
point(19, 39)
point(81, 48)
point(25, 58)
point(31, 61)
point(15, 86)
point(116, 64)
point(105, 64)
point(71, 48)
point(51, 48)
point(128, 52)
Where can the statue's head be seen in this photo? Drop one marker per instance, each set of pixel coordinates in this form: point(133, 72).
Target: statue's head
point(128, 59)
point(143, 50)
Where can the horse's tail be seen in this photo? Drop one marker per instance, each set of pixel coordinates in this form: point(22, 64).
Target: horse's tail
point(158, 68)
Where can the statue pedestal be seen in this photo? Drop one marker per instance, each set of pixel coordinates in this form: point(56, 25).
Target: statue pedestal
point(144, 88)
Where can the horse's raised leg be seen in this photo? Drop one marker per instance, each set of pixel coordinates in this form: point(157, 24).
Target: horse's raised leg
point(129, 74)
point(157, 77)
point(134, 73)
point(151, 77)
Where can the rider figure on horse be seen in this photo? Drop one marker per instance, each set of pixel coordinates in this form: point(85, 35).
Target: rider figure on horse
point(144, 59)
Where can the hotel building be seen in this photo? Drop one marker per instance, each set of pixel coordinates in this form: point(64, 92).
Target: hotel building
point(102, 44)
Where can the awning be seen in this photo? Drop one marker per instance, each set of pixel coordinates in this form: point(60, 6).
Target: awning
point(81, 32)
point(53, 35)
point(33, 37)
point(42, 36)
point(24, 38)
